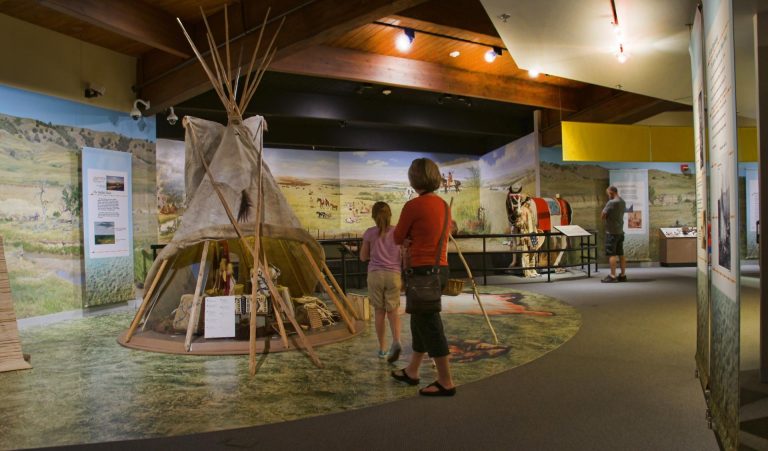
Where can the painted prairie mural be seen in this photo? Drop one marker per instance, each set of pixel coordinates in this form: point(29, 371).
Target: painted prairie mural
point(41, 139)
point(515, 163)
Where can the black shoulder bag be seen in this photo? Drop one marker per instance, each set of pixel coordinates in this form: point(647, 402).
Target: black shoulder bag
point(424, 290)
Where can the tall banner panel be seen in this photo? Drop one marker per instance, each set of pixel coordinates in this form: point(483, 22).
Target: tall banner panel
point(702, 217)
point(633, 188)
point(723, 172)
point(753, 211)
point(107, 226)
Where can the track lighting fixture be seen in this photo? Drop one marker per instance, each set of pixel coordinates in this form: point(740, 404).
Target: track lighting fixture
point(490, 55)
point(404, 40)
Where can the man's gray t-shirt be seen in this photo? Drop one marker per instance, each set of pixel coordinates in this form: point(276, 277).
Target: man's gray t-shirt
point(614, 215)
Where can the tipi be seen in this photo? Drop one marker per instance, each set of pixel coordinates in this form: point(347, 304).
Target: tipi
point(224, 168)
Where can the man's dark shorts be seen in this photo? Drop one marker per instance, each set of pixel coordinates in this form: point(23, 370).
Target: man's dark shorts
point(614, 244)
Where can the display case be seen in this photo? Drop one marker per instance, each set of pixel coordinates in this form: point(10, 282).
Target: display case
point(677, 246)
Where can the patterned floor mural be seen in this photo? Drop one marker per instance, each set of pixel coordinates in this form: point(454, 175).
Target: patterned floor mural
point(86, 388)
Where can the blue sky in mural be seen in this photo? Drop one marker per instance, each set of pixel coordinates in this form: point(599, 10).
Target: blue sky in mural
point(20, 103)
point(302, 164)
point(393, 166)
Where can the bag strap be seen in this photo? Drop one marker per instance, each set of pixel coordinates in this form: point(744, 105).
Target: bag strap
point(442, 239)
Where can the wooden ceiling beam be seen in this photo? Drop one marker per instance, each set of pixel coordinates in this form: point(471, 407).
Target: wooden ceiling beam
point(307, 25)
point(133, 19)
point(332, 62)
point(619, 108)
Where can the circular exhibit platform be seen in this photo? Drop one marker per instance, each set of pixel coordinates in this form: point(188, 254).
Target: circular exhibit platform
point(174, 343)
point(86, 388)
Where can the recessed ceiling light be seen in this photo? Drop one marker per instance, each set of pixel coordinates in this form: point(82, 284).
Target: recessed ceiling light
point(455, 53)
point(386, 91)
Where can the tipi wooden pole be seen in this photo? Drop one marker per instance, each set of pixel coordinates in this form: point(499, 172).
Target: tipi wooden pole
point(280, 325)
point(194, 313)
point(302, 338)
point(474, 290)
point(145, 302)
point(321, 279)
point(252, 337)
point(336, 286)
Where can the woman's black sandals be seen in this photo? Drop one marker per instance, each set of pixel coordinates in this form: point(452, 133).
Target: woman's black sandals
point(441, 391)
point(402, 376)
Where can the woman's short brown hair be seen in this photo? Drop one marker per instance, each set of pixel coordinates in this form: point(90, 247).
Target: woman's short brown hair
point(424, 175)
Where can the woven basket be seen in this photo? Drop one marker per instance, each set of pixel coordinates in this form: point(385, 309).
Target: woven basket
point(454, 287)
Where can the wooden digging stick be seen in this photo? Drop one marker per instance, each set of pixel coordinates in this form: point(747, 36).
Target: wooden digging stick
point(145, 302)
point(302, 338)
point(280, 325)
point(327, 288)
point(474, 290)
point(194, 313)
point(335, 284)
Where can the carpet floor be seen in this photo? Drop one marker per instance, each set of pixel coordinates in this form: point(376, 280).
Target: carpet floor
point(624, 382)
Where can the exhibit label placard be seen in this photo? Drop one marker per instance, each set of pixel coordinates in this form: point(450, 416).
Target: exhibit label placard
point(220, 317)
point(702, 218)
point(633, 188)
point(723, 175)
point(107, 226)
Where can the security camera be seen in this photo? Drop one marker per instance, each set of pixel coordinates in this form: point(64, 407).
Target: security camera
point(94, 90)
point(172, 118)
point(135, 112)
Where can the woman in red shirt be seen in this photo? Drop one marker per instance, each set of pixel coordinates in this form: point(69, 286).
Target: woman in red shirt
point(419, 229)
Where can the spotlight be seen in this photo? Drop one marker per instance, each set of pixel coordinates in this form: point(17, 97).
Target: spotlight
point(490, 55)
point(621, 55)
point(172, 118)
point(454, 54)
point(386, 91)
point(404, 41)
point(533, 73)
point(135, 112)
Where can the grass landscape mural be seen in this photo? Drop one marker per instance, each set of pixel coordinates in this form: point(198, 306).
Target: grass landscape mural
point(40, 193)
point(671, 194)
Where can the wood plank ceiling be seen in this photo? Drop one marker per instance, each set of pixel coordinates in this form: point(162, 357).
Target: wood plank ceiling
point(334, 39)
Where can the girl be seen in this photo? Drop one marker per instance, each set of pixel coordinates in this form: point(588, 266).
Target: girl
point(384, 280)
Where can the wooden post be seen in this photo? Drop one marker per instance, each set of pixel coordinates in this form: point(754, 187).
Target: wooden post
point(302, 338)
point(334, 299)
point(252, 337)
point(335, 284)
point(194, 313)
point(145, 302)
point(280, 325)
point(474, 290)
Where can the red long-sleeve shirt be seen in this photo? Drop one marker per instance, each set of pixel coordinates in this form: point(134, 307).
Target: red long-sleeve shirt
point(422, 220)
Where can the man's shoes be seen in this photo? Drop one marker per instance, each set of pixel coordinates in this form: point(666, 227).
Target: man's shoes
point(609, 279)
point(622, 278)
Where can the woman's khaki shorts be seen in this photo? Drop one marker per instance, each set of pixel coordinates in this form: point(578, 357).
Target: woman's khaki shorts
point(384, 290)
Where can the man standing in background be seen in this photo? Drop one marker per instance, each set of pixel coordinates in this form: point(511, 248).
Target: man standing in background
point(613, 218)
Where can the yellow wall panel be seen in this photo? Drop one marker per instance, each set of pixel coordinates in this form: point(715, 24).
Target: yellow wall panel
point(671, 144)
point(604, 142)
point(748, 145)
point(41, 60)
point(640, 143)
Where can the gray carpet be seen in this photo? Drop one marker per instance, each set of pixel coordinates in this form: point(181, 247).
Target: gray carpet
point(624, 382)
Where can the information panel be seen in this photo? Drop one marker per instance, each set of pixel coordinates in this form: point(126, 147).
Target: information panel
point(107, 226)
point(633, 188)
point(702, 215)
point(724, 290)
